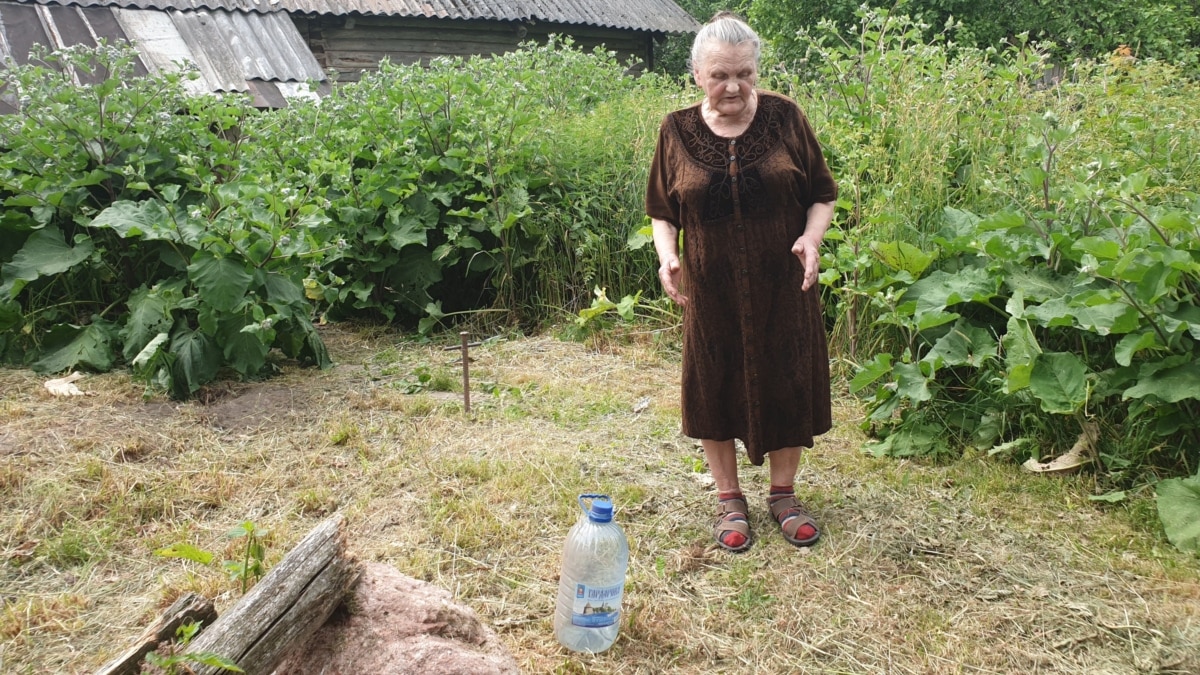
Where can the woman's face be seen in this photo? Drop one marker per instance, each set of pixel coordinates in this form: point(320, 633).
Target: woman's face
point(727, 74)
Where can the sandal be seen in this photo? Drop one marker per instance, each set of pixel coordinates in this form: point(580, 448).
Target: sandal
point(731, 517)
point(791, 516)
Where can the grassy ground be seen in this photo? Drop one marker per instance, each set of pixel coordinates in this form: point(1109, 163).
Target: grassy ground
point(972, 566)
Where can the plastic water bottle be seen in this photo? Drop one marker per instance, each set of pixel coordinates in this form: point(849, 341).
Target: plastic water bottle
point(592, 579)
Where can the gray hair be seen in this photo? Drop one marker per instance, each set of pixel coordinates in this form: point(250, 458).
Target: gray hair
point(724, 28)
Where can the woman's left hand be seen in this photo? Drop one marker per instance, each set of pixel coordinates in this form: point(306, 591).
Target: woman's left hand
point(809, 253)
point(808, 247)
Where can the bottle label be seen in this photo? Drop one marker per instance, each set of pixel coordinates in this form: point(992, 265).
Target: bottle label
point(596, 606)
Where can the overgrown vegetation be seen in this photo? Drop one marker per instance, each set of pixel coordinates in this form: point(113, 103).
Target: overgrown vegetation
point(1159, 29)
point(1018, 259)
point(1014, 258)
point(134, 231)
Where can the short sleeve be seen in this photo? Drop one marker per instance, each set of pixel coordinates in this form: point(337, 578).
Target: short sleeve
point(661, 202)
point(807, 152)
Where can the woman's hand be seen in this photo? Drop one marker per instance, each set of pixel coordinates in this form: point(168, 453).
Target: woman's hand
point(666, 243)
point(808, 247)
point(809, 253)
point(669, 273)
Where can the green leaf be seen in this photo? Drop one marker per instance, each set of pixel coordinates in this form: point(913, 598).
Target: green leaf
point(1114, 497)
point(214, 660)
point(409, 222)
point(1020, 349)
point(1003, 220)
point(902, 256)
point(1104, 314)
point(641, 237)
point(880, 366)
point(10, 316)
point(244, 350)
point(1133, 343)
point(911, 382)
point(45, 253)
point(150, 350)
point(149, 316)
point(627, 305)
point(220, 282)
point(1184, 319)
point(1036, 283)
point(916, 440)
point(1171, 384)
point(147, 219)
point(1059, 381)
point(1179, 511)
point(965, 344)
point(197, 361)
point(1053, 312)
point(960, 223)
point(283, 291)
point(185, 551)
point(1015, 444)
point(1104, 249)
point(941, 290)
point(299, 339)
point(67, 347)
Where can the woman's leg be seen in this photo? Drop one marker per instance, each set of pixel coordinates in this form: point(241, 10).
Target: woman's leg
point(797, 524)
point(784, 464)
point(722, 462)
point(732, 529)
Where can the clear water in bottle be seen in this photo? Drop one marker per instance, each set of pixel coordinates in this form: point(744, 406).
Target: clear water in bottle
point(592, 581)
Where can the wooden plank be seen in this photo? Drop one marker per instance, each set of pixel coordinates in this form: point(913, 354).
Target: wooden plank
point(427, 46)
point(188, 608)
point(286, 606)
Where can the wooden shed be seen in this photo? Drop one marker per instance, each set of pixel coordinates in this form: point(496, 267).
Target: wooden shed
point(351, 36)
point(250, 50)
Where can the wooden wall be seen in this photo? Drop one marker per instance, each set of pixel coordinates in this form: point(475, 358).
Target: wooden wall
point(351, 45)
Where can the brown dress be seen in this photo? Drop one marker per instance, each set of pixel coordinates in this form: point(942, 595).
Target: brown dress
point(755, 359)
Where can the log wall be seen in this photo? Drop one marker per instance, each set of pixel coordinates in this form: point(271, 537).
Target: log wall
point(351, 45)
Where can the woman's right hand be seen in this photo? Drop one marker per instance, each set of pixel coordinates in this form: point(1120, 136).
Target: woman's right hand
point(670, 273)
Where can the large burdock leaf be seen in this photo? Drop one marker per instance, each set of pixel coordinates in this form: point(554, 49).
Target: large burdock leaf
point(965, 344)
point(870, 372)
point(197, 360)
point(68, 347)
point(941, 290)
point(221, 282)
point(1059, 381)
point(902, 256)
point(1171, 385)
point(149, 315)
point(147, 219)
point(1179, 511)
point(46, 252)
point(1021, 348)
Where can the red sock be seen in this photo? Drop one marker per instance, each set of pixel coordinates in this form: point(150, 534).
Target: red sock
point(732, 539)
point(778, 492)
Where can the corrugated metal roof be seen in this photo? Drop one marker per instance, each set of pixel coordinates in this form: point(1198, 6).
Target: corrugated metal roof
point(232, 51)
point(648, 15)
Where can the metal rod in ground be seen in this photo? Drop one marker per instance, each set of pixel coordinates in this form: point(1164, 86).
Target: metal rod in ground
point(466, 361)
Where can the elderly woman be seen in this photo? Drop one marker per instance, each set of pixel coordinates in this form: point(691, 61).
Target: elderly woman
point(742, 175)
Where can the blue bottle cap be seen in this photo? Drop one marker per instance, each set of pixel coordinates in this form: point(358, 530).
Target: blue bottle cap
point(601, 510)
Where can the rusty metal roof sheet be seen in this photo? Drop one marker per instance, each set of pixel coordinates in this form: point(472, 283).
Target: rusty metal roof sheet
point(645, 15)
point(260, 54)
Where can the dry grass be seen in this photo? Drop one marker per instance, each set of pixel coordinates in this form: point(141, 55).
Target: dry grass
point(967, 567)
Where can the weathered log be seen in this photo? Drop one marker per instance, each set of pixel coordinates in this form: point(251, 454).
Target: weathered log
point(187, 608)
point(285, 607)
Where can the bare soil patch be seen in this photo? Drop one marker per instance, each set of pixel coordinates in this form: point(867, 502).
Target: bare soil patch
point(972, 566)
